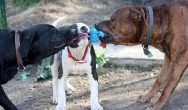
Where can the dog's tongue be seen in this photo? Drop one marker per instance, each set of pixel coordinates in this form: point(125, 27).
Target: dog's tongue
point(103, 45)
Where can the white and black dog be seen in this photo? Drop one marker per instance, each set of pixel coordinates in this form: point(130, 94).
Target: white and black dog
point(75, 60)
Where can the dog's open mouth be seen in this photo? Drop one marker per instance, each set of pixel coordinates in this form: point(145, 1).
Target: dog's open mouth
point(107, 37)
point(77, 38)
point(74, 41)
point(83, 36)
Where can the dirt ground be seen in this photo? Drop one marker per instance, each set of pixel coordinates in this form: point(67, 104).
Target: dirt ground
point(119, 86)
point(119, 89)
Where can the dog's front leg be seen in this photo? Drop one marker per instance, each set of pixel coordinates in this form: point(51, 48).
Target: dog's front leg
point(93, 81)
point(61, 92)
point(54, 69)
point(94, 100)
point(5, 102)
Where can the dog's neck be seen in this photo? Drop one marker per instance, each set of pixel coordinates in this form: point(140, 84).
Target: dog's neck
point(79, 51)
point(161, 29)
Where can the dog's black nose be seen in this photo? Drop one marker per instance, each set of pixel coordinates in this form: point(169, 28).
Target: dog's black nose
point(84, 29)
point(96, 24)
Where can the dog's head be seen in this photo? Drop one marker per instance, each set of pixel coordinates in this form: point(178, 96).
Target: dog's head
point(125, 26)
point(81, 35)
point(41, 41)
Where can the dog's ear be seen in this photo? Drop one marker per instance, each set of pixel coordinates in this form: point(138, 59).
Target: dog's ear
point(138, 14)
point(26, 41)
point(135, 15)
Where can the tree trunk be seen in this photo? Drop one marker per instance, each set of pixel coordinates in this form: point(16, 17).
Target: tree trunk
point(3, 20)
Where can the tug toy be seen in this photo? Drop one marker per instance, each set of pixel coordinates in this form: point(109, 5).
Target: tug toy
point(95, 35)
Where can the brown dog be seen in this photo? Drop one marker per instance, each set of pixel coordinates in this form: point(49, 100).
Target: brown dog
point(130, 26)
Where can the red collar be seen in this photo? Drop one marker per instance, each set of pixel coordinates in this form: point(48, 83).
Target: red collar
point(83, 57)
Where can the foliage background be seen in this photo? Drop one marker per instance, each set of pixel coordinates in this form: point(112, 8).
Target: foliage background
point(3, 19)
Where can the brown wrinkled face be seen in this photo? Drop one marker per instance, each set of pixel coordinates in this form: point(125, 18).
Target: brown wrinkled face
point(124, 26)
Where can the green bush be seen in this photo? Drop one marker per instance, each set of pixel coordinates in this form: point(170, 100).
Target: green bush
point(3, 20)
point(43, 70)
point(101, 60)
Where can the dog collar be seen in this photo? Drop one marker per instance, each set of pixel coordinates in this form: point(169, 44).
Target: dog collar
point(149, 35)
point(18, 55)
point(83, 57)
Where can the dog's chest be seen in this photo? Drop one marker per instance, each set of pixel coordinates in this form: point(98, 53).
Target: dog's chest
point(73, 67)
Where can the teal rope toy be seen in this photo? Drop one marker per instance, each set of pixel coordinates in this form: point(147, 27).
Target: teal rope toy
point(94, 35)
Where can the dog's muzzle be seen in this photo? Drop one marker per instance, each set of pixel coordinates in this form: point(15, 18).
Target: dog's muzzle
point(80, 36)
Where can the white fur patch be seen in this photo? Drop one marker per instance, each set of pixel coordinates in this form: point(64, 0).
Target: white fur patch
point(80, 25)
point(54, 69)
point(61, 94)
point(94, 100)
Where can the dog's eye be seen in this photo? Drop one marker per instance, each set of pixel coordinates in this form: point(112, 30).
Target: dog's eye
point(84, 29)
point(139, 17)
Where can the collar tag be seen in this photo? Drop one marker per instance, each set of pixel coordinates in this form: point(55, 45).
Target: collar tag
point(147, 52)
point(150, 55)
point(23, 75)
point(81, 61)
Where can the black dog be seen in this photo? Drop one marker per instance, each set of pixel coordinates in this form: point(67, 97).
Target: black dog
point(36, 43)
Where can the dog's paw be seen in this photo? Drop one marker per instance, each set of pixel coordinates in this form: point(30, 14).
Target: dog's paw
point(96, 107)
point(60, 107)
point(54, 100)
point(143, 99)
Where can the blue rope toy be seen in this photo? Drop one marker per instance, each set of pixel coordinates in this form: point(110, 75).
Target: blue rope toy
point(95, 34)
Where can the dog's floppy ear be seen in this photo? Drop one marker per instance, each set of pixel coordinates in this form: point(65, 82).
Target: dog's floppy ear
point(26, 42)
point(138, 14)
